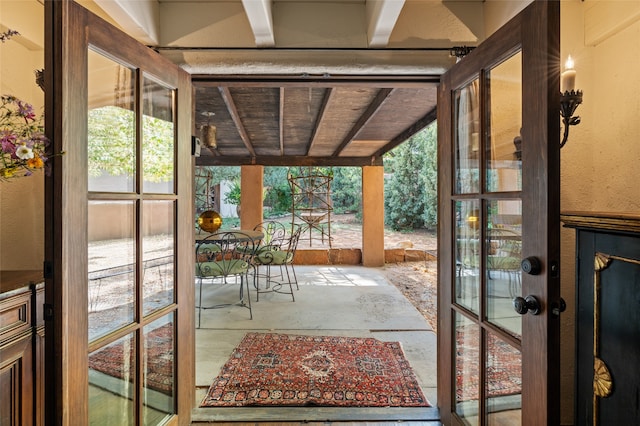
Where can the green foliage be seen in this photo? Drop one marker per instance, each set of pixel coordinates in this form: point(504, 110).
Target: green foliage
point(217, 174)
point(111, 140)
point(277, 197)
point(233, 196)
point(111, 144)
point(411, 182)
point(346, 190)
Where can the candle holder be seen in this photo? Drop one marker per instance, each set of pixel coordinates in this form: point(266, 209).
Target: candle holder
point(569, 102)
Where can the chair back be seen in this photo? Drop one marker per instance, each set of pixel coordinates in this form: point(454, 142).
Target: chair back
point(280, 247)
point(224, 254)
point(272, 231)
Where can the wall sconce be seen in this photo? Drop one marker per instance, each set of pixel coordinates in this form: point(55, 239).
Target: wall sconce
point(569, 99)
point(208, 132)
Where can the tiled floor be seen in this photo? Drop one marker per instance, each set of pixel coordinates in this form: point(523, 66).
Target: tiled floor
point(332, 300)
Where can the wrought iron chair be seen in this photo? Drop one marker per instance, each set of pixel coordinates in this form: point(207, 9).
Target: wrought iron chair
point(505, 255)
point(277, 249)
point(221, 257)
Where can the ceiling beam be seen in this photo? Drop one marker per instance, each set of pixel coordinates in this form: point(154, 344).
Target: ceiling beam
point(139, 18)
point(428, 118)
point(397, 82)
point(310, 62)
point(382, 16)
point(231, 106)
point(290, 160)
point(323, 109)
point(261, 21)
point(377, 102)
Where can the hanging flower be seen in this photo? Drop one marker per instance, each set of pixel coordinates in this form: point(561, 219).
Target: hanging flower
point(22, 140)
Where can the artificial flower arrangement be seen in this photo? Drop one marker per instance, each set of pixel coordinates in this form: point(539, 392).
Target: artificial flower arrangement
point(22, 139)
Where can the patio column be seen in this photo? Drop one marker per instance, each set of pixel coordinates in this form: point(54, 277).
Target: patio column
point(250, 196)
point(373, 216)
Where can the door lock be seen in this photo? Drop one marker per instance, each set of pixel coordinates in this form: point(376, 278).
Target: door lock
point(531, 265)
point(528, 304)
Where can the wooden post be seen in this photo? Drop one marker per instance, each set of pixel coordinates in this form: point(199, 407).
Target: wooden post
point(251, 178)
point(373, 216)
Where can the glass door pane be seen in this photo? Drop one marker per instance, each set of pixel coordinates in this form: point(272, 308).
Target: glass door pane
point(112, 272)
point(158, 134)
point(158, 370)
point(158, 242)
point(112, 371)
point(467, 139)
point(468, 256)
point(111, 131)
point(467, 370)
point(504, 147)
point(504, 254)
point(503, 387)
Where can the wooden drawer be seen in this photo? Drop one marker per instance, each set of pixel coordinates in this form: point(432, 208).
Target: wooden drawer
point(15, 315)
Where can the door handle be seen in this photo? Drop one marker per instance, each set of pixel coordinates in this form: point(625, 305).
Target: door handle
point(528, 304)
point(558, 308)
point(531, 265)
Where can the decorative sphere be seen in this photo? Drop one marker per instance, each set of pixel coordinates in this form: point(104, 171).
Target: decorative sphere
point(210, 221)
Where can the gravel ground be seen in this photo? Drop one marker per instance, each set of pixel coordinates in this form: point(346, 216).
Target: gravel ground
point(418, 282)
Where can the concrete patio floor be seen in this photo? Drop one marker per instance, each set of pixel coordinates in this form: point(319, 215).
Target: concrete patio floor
point(332, 300)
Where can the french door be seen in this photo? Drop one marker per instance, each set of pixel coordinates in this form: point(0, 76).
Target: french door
point(498, 121)
point(119, 228)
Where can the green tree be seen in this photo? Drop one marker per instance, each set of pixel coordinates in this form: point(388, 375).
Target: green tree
point(411, 182)
point(346, 190)
point(430, 175)
point(111, 144)
point(277, 191)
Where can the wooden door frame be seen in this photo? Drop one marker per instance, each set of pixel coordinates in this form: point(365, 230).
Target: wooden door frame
point(69, 29)
point(541, 105)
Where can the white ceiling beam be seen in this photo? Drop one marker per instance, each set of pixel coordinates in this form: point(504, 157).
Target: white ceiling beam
point(261, 21)
point(139, 18)
point(382, 16)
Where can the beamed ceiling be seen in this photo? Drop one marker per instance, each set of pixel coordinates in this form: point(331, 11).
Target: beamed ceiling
point(303, 82)
point(279, 123)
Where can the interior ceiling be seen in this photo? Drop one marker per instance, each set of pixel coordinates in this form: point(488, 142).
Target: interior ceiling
point(306, 82)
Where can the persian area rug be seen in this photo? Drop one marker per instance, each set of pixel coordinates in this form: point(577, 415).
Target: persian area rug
point(503, 369)
point(118, 359)
point(291, 370)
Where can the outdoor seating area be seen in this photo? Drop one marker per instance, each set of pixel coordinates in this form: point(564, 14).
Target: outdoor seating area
point(363, 304)
point(259, 260)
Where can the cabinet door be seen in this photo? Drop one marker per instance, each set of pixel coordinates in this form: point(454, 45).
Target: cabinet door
point(16, 382)
point(608, 326)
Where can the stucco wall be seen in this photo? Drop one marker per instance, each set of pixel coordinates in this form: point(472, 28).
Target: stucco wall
point(22, 199)
point(600, 162)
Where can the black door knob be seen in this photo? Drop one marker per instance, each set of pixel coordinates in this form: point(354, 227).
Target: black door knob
point(531, 265)
point(528, 304)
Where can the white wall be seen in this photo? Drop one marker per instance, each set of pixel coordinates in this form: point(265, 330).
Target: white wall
point(226, 209)
point(22, 199)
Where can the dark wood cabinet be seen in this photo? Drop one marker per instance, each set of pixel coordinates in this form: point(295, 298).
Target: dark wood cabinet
point(21, 348)
point(607, 318)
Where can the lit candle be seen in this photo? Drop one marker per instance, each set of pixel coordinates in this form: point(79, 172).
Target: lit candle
point(568, 78)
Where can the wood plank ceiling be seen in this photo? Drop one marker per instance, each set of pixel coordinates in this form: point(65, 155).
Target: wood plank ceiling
point(289, 123)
